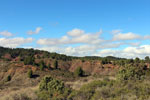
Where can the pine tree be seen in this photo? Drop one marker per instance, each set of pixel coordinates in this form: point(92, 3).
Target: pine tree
point(41, 67)
point(8, 78)
point(29, 60)
point(78, 71)
point(55, 64)
point(147, 59)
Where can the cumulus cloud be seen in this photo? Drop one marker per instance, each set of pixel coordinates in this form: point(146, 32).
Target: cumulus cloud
point(74, 51)
point(88, 38)
point(94, 44)
point(37, 30)
point(75, 32)
point(14, 42)
point(126, 36)
point(128, 52)
point(73, 37)
point(54, 41)
point(142, 50)
point(119, 36)
point(6, 34)
point(81, 50)
point(86, 50)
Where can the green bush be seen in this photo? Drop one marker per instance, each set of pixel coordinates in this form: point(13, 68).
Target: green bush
point(8, 78)
point(55, 64)
point(44, 95)
point(131, 72)
point(41, 67)
point(78, 71)
point(137, 60)
point(30, 73)
point(51, 85)
point(52, 88)
point(87, 91)
point(29, 60)
point(147, 59)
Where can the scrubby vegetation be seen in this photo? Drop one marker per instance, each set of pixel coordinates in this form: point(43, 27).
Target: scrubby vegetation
point(53, 89)
point(131, 83)
point(55, 64)
point(78, 71)
point(8, 78)
point(52, 76)
point(30, 73)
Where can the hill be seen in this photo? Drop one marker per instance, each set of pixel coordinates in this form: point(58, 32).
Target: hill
point(22, 70)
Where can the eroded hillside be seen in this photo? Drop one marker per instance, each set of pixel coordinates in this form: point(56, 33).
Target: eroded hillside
point(15, 65)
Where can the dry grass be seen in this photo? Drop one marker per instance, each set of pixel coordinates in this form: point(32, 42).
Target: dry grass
point(21, 94)
point(85, 80)
point(82, 81)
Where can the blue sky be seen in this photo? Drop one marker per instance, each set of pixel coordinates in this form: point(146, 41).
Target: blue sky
point(70, 26)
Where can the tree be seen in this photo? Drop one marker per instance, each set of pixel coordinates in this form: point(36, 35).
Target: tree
point(78, 71)
point(8, 78)
point(105, 61)
point(129, 61)
point(50, 84)
point(131, 73)
point(29, 60)
point(49, 66)
point(147, 59)
point(30, 73)
point(41, 67)
point(55, 64)
point(137, 60)
point(52, 89)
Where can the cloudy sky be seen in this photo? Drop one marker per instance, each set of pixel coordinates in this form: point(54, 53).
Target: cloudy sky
point(118, 28)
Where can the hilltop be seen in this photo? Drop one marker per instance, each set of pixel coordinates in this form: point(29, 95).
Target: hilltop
point(33, 58)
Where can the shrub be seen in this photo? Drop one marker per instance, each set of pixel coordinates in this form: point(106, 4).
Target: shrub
point(147, 59)
point(105, 61)
point(17, 96)
point(78, 71)
point(30, 73)
point(51, 85)
point(137, 60)
point(52, 88)
point(29, 60)
point(8, 78)
point(131, 72)
point(55, 64)
point(41, 67)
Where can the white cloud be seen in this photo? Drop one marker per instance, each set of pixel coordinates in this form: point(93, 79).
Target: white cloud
point(73, 51)
point(75, 36)
point(88, 38)
point(6, 34)
point(126, 36)
point(93, 44)
point(14, 42)
point(37, 30)
point(81, 50)
point(75, 32)
point(142, 50)
point(129, 52)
